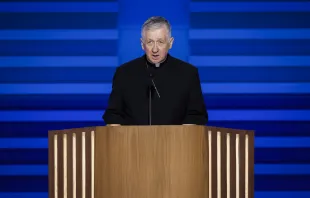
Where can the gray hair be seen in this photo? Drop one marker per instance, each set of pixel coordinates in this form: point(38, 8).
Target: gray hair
point(156, 22)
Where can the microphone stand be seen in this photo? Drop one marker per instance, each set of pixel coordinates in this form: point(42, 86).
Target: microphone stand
point(150, 86)
point(150, 104)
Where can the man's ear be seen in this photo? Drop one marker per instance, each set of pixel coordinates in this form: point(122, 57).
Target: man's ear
point(141, 41)
point(171, 42)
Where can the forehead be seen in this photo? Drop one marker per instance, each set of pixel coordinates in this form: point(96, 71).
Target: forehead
point(155, 34)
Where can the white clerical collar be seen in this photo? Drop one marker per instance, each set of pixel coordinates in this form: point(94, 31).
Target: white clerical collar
point(157, 64)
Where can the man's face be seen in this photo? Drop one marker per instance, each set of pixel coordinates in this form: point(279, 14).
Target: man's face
point(156, 44)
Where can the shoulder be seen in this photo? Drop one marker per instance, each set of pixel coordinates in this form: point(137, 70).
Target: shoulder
point(188, 72)
point(184, 67)
point(127, 69)
point(130, 66)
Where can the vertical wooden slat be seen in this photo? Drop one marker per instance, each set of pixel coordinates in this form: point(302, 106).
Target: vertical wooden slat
point(237, 165)
point(74, 157)
point(214, 163)
point(69, 166)
point(242, 165)
point(251, 165)
point(210, 163)
point(60, 165)
point(228, 165)
point(246, 166)
point(79, 165)
point(93, 164)
point(233, 165)
point(223, 164)
point(83, 164)
point(51, 167)
point(219, 163)
point(56, 166)
point(65, 165)
point(88, 164)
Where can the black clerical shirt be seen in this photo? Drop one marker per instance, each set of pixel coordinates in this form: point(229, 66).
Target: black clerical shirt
point(178, 99)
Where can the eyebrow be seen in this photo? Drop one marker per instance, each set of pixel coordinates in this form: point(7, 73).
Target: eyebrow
point(157, 40)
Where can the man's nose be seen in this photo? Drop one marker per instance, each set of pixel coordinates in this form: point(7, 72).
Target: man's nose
point(155, 48)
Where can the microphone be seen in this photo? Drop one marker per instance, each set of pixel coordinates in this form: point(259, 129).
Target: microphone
point(150, 100)
point(153, 83)
point(150, 87)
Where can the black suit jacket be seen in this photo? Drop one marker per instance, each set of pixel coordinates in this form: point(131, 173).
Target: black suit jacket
point(178, 85)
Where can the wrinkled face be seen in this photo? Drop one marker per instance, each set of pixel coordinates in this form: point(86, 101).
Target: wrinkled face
point(156, 44)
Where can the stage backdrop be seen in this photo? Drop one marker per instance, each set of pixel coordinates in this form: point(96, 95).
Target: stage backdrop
point(57, 60)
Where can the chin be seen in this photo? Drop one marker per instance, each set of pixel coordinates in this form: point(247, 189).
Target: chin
point(158, 60)
point(155, 61)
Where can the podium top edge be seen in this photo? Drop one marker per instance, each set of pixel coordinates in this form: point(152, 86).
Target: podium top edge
point(200, 127)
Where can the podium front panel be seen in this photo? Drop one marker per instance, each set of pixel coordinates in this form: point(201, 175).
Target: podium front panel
point(151, 162)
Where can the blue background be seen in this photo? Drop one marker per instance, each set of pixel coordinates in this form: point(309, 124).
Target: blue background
point(57, 60)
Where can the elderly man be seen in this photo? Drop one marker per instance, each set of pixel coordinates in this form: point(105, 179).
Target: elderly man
point(156, 88)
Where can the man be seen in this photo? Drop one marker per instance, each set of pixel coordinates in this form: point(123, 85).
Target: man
point(156, 88)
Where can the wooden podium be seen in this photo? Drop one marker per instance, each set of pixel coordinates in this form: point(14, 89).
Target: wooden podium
point(151, 162)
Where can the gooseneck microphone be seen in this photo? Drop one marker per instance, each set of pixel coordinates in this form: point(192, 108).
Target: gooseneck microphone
point(154, 85)
point(150, 103)
point(151, 87)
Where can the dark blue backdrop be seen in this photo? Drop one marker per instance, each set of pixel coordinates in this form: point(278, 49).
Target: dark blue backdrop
point(57, 60)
